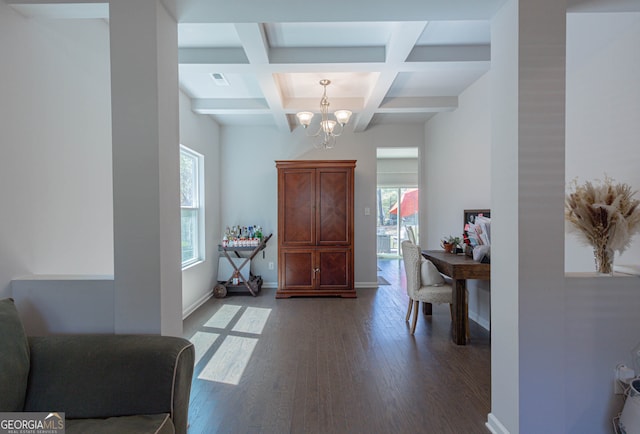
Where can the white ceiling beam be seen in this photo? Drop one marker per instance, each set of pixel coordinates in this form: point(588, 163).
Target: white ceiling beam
point(450, 53)
point(468, 65)
point(294, 105)
point(223, 11)
point(51, 9)
point(212, 56)
point(421, 58)
point(254, 41)
point(431, 104)
point(327, 55)
point(333, 67)
point(230, 106)
point(403, 39)
point(260, 106)
point(248, 68)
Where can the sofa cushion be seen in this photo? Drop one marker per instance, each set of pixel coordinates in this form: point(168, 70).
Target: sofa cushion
point(139, 424)
point(14, 358)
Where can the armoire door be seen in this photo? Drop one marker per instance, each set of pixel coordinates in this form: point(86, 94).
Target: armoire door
point(334, 199)
point(297, 269)
point(333, 269)
point(297, 207)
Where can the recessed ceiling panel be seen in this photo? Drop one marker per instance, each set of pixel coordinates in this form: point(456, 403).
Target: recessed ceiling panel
point(439, 82)
point(374, 34)
point(200, 84)
point(343, 84)
point(200, 35)
point(456, 33)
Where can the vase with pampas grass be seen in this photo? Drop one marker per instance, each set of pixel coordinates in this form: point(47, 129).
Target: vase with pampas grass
point(604, 215)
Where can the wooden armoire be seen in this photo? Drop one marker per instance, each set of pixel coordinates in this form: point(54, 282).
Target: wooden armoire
point(315, 228)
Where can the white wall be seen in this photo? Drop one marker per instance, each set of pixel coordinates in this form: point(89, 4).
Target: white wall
point(62, 304)
point(202, 134)
point(456, 176)
point(249, 183)
point(55, 170)
point(603, 112)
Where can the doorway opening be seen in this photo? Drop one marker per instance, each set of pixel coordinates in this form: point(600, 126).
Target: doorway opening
point(397, 199)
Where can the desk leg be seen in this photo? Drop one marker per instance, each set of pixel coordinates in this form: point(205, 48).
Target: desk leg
point(459, 326)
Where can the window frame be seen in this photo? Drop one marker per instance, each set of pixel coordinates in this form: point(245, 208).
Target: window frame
point(199, 207)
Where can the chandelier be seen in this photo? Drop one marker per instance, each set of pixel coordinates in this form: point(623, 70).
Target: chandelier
point(329, 129)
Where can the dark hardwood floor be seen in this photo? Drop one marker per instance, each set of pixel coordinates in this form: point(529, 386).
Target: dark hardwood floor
point(331, 365)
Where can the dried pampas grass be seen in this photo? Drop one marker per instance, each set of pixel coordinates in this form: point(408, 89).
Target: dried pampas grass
point(604, 215)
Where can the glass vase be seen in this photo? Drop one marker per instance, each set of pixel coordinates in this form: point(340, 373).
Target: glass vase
point(604, 260)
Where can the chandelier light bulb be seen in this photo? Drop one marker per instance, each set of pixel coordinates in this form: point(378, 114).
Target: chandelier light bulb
point(342, 116)
point(305, 118)
point(328, 126)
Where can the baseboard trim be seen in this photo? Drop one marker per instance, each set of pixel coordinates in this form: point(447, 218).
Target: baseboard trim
point(357, 285)
point(202, 300)
point(483, 322)
point(494, 425)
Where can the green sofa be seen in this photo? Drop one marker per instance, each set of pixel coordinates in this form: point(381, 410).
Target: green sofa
point(103, 383)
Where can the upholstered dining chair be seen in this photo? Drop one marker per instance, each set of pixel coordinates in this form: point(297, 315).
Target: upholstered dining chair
point(424, 282)
point(411, 235)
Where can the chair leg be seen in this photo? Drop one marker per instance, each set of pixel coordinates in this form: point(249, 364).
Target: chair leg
point(409, 310)
point(415, 316)
point(427, 308)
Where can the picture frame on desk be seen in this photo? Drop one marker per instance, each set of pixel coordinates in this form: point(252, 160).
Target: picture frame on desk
point(471, 214)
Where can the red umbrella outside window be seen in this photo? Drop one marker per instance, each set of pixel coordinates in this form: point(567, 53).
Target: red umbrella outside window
point(408, 203)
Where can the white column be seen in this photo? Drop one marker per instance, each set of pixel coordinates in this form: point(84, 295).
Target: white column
point(541, 166)
point(527, 282)
point(144, 89)
point(504, 218)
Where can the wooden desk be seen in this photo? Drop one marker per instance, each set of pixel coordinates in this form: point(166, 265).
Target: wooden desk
point(459, 268)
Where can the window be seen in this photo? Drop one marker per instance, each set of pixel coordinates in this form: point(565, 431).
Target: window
point(191, 206)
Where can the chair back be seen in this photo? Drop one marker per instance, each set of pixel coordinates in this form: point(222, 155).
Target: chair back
point(411, 257)
point(411, 234)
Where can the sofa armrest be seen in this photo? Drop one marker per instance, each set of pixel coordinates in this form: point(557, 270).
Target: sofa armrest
point(100, 376)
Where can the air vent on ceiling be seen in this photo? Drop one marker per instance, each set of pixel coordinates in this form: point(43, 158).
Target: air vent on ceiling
point(219, 79)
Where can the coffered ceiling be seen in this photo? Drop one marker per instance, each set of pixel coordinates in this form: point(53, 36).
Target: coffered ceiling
point(388, 62)
point(254, 62)
point(382, 71)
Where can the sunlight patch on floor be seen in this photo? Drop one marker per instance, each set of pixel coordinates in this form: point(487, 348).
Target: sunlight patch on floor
point(229, 361)
point(202, 341)
point(223, 316)
point(252, 320)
